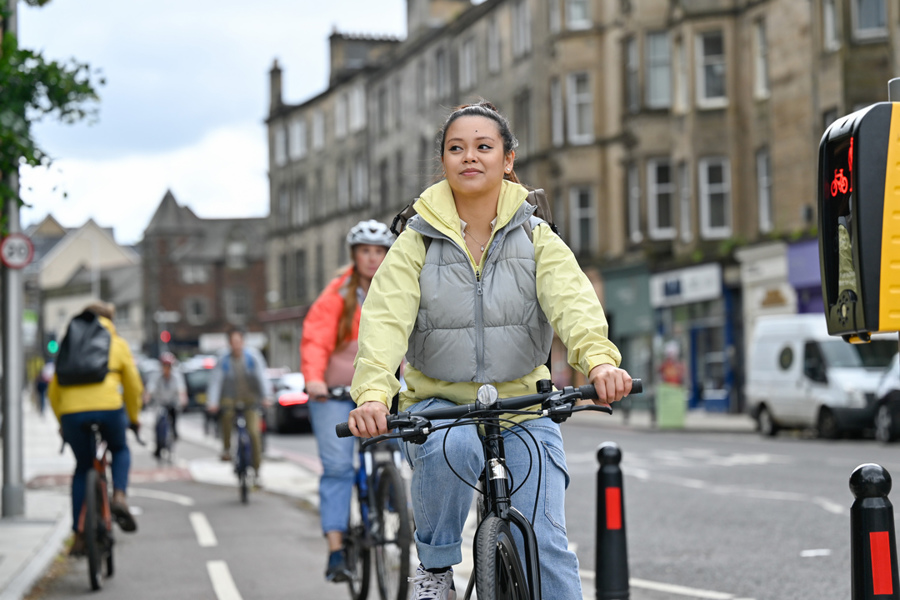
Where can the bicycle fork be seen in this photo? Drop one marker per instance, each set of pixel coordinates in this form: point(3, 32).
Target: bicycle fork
point(499, 492)
point(367, 464)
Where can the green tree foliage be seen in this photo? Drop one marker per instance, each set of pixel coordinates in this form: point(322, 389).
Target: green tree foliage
point(33, 88)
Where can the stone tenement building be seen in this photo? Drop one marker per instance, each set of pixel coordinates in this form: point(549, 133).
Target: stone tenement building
point(677, 140)
point(200, 277)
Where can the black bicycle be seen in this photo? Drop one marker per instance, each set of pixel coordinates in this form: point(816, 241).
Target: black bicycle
point(242, 454)
point(498, 573)
point(381, 523)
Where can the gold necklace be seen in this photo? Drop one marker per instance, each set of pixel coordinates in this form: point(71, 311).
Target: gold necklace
point(468, 233)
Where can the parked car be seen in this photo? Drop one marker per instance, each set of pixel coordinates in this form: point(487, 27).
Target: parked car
point(148, 368)
point(290, 410)
point(887, 397)
point(196, 372)
point(798, 376)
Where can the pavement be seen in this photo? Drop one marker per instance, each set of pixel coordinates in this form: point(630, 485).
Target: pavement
point(29, 543)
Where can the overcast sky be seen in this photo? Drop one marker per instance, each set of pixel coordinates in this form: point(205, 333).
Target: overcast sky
point(184, 102)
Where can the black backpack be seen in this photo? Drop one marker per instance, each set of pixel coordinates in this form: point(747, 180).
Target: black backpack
point(84, 352)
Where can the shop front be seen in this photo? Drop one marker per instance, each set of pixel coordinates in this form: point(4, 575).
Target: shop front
point(627, 306)
point(695, 321)
point(805, 276)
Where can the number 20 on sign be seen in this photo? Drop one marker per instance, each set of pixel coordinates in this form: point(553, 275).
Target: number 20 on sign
point(16, 251)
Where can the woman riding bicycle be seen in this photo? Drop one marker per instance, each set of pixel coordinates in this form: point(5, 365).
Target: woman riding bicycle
point(112, 403)
point(327, 350)
point(168, 390)
point(471, 293)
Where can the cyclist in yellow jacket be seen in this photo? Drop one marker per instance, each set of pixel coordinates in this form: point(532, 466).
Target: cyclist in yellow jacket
point(113, 403)
point(471, 293)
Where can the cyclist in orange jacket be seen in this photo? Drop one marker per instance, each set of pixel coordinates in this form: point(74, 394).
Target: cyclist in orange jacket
point(327, 350)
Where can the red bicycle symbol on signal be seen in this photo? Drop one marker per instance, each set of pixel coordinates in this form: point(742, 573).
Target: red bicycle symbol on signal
point(840, 183)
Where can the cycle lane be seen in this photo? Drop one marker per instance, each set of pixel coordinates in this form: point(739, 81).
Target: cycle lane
point(301, 484)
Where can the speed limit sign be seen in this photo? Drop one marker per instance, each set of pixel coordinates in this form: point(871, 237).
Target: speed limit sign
point(16, 251)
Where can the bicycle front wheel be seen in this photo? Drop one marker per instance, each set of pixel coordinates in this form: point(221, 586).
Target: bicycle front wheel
point(498, 569)
point(163, 437)
point(356, 553)
point(243, 465)
point(93, 536)
point(391, 534)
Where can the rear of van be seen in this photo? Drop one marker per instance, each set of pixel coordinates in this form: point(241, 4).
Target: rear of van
point(800, 377)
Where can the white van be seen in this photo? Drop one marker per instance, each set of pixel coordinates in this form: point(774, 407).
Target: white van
point(799, 376)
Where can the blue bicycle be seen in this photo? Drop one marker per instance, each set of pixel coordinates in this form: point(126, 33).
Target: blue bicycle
point(165, 437)
point(380, 524)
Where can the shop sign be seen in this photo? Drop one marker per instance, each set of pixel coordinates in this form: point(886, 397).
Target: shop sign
point(684, 286)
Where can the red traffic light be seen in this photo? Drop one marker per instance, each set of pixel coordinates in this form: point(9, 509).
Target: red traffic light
point(165, 337)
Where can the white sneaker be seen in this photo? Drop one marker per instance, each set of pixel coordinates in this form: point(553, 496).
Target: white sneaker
point(433, 586)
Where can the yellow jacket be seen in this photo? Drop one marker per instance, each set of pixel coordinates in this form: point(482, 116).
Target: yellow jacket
point(388, 316)
point(122, 385)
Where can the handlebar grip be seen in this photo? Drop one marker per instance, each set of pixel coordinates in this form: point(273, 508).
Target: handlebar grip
point(343, 430)
point(588, 392)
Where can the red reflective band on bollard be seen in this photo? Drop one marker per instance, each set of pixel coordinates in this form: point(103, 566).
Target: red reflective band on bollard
point(880, 545)
point(614, 508)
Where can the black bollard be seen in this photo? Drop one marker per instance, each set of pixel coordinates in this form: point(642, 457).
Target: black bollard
point(873, 542)
point(611, 553)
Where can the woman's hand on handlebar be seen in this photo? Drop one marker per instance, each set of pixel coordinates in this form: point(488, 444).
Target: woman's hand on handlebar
point(317, 390)
point(369, 419)
point(612, 383)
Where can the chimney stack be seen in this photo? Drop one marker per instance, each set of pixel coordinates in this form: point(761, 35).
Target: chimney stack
point(275, 100)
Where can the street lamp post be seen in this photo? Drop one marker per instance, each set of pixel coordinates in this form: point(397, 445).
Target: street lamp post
point(13, 492)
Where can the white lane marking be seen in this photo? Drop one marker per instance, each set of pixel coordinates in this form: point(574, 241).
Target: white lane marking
point(158, 495)
point(221, 579)
point(668, 588)
point(679, 590)
point(815, 552)
point(204, 531)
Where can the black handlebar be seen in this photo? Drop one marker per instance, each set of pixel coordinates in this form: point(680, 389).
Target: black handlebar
point(587, 392)
point(134, 427)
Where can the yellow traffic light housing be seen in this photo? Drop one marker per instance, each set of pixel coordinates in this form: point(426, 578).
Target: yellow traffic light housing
point(859, 222)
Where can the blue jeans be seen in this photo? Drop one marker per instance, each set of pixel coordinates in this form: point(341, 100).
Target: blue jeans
point(441, 501)
point(113, 424)
point(336, 454)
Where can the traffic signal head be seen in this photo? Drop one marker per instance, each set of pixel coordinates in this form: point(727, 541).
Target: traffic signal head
point(52, 344)
point(859, 222)
point(165, 337)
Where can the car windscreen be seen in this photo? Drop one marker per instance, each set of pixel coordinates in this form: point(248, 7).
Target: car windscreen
point(197, 380)
point(877, 354)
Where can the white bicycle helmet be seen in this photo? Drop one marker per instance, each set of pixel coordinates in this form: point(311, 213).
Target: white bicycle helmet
point(370, 232)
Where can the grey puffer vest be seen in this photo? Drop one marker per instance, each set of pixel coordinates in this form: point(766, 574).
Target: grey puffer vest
point(489, 329)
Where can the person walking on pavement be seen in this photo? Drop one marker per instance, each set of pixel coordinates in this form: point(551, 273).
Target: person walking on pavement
point(168, 389)
point(113, 402)
point(240, 376)
point(471, 293)
point(327, 350)
point(43, 381)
